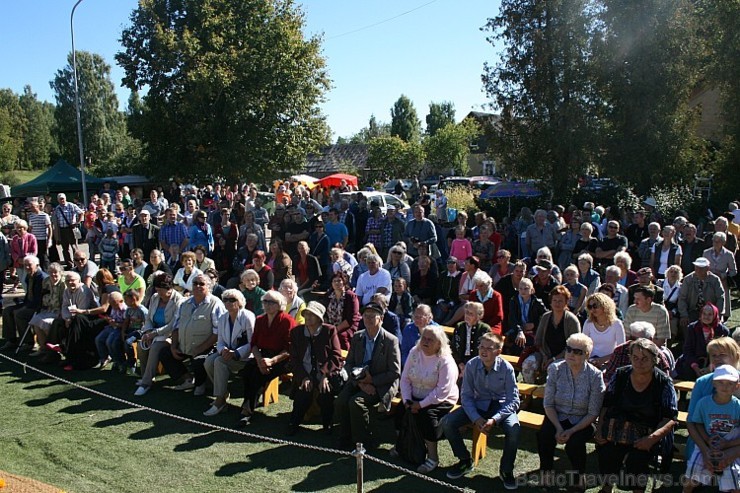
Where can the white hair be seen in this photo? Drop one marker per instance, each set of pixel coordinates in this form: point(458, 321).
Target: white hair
point(642, 329)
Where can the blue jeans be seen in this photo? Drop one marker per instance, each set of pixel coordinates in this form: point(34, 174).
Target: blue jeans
point(452, 423)
point(106, 342)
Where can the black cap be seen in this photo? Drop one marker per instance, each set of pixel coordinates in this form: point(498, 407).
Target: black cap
point(373, 306)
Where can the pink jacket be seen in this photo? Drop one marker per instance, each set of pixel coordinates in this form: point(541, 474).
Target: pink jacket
point(22, 246)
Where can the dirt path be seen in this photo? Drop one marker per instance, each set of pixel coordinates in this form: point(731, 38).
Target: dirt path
point(11, 483)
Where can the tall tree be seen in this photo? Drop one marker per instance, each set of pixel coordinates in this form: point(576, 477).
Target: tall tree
point(373, 130)
point(449, 147)
point(646, 59)
point(440, 114)
point(404, 121)
point(39, 144)
point(12, 128)
point(103, 126)
point(233, 87)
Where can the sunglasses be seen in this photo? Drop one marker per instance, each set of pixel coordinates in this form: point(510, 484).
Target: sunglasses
point(592, 306)
point(229, 300)
point(269, 302)
point(576, 351)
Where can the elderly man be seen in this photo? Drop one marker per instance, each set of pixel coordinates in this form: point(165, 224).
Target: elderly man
point(67, 216)
point(86, 268)
point(146, 234)
point(419, 231)
point(16, 317)
point(374, 364)
point(621, 355)
point(541, 233)
point(621, 294)
point(489, 398)
point(156, 206)
point(375, 280)
point(692, 248)
point(194, 334)
point(173, 232)
point(611, 244)
point(698, 288)
point(645, 248)
point(645, 310)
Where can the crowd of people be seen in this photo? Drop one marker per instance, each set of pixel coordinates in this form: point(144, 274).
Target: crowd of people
point(603, 308)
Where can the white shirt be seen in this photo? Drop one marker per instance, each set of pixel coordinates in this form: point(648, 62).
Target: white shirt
point(368, 285)
point(606, 341)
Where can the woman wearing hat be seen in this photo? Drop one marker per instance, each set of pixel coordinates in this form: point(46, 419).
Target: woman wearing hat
point(201, 233)
point(232, 347)
point(315, 357)
point(157, 328)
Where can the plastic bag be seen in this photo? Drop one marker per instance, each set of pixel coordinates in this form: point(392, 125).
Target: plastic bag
point(410, 443)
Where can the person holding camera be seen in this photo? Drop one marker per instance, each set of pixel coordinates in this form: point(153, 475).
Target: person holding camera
point(374, 360)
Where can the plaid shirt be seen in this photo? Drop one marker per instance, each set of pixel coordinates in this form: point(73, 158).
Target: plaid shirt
point(392, 232)
point(621, 357)
point(373, 223)
point(173, 234)
point(67, 215)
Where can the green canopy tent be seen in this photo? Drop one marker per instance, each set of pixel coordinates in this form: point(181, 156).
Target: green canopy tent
point(62, 177)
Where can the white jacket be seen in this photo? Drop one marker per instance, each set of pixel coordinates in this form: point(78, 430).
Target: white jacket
point(243, 329)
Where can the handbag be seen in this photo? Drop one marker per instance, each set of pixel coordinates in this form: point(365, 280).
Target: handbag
point(410, 442)
point(623, 432)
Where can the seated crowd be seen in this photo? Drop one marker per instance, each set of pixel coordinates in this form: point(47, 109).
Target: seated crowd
point(363, 307)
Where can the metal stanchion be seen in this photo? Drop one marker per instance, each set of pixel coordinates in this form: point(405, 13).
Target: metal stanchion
point(359, 453)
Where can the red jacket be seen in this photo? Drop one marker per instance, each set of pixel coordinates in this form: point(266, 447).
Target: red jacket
point(22, 246)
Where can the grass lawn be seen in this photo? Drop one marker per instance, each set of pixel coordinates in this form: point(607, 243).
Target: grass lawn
point(26, 175)
point(81, 442)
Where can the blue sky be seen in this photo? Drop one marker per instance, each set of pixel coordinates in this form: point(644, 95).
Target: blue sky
point(435, 53)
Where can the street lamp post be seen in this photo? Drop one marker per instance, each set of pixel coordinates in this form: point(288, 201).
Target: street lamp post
point(77, 104)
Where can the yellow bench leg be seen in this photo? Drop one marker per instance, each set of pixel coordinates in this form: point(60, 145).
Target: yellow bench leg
point(480, 444)
point(271, 394)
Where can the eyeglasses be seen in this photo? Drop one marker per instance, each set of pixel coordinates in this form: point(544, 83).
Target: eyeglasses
point(592, 306)
point(485, 349)
point(500, 256)
point(229, 300)
point(613, 227)
point(79, 260)
point(198, 283)
point(576, 351)
point(269, 302)
point(128, 267)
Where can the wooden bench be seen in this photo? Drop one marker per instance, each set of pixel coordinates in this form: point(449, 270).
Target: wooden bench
point(683, 386)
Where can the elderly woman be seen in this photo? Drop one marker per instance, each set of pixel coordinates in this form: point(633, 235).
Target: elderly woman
point(493, 304)
point(279, 262)
point(307, 270)
point(694, 362)
point(465, 338)
point(163, 307)
point(722, 263)
point(22, 244)
point(721, 351)
point(586, 244)
point(294, 304)
point(627, 277)
point(665, 253)
point(251, 227)
point(555, 327)
point(235, 328)
point(525, 312)
point(251, 291)
point(603, 327)
point(503, 266)
point(637, 420)
point(187, 273)
point(270, 343)
point(586, 273)
point(361, 266)
point(342, 309)
point(316, 360)
point(574, 394)
point(429, 389)
point(52, 291)
point(396, 265)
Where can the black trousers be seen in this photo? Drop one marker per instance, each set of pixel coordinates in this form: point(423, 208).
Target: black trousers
point(575, 447)
point(636, 462)
point(255, 380)
point(177, 368)
point(302, 401)
point(428, 420)
point(81, 352)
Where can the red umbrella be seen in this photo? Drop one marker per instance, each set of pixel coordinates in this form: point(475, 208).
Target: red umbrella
point(335, 180)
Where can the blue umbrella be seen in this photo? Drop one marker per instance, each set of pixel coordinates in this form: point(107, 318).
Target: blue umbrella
point(509, 189)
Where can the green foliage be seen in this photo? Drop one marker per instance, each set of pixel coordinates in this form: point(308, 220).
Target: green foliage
point(646, 67)
point(462, 199)
point(233, 87)
point(440, 115)
point(12, 127)
point(373, 130)
point(391, 157)
point(39, 144)
point(104, 133)
point(449, 147)
point(541, 88)
point(404, 121)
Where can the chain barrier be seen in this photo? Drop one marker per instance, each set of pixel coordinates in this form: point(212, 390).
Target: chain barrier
point(359, 453)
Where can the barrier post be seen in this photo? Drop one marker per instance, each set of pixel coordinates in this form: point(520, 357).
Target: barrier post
point(359, 453)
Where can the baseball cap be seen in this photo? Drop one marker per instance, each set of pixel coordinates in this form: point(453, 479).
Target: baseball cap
point(726, 372)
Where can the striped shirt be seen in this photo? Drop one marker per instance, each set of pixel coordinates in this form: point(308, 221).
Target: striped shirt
point(37, 224)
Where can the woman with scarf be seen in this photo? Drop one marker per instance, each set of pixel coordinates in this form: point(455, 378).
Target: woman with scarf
point(694, 362)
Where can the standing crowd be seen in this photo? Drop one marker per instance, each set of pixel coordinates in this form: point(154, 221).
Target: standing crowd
point(363, 303)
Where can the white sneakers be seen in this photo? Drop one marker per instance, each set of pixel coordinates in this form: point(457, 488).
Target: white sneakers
point(186, 385)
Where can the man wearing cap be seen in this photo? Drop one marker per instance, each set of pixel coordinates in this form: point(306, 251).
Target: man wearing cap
point(645, 310)
point(374, 365)
point(544, 281)
point(645, 278)
point(145, 234)
point(315, 356)
point(698, 288)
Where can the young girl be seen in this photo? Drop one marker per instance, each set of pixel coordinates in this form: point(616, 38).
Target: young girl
point(713, 459)
point(577, 290)
point(108, 338)
point(401, 303)
point(461, 247)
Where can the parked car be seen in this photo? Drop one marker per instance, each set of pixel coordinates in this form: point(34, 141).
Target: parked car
point(383, 199)
point(390, 187)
